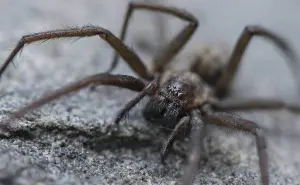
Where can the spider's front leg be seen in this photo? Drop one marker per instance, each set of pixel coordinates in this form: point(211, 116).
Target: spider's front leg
point(122, 81)
point(196, 149)
point(150, 90)
point(182, 125)
point(87, 31)
point(234, 122)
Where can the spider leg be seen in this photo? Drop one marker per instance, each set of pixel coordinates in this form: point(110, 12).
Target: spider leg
point(198, 132)
point(178, 128)
point(160, 23)
point(144, 45)
point(166, 54)
point(150, 89)
point(235, 59)
point(87, 31)
point(252, 104)
point(123, 81)
point(234, 122)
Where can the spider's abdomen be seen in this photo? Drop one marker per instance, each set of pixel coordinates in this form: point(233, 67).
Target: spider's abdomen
point(210, 62)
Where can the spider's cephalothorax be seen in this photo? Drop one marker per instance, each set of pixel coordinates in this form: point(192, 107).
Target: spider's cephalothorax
point(175, 96)
point(166, 108)
point(177, 99)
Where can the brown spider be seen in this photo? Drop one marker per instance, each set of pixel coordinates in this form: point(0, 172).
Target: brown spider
point(179, 99)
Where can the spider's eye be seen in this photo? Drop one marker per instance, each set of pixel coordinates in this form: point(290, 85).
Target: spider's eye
point(180, 96)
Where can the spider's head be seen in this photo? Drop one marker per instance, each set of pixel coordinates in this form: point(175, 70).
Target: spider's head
point(169, 104)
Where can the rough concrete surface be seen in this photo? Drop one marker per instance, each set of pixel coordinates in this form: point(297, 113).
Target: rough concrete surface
point(74, 141)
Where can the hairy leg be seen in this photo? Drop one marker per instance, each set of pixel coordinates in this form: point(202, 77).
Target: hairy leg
point(150, 90)
point(87, 31)
point(184, 122)
point(167, 53)
point(123, 81)
point(198, 132)
point(249, 32)
point(234, 122)
point(252, 104)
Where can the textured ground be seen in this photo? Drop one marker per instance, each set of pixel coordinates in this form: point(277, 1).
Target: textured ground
point(73, 140)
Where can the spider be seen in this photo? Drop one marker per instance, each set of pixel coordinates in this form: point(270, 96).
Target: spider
point(182, 101)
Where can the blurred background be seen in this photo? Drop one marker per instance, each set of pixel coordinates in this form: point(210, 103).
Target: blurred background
point(264, 72)
point(220, 22)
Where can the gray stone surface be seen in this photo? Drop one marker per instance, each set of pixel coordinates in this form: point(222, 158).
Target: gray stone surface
point(73, 140)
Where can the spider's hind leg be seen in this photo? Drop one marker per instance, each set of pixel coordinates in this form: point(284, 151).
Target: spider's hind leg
point(234, 61)
point(237, 123)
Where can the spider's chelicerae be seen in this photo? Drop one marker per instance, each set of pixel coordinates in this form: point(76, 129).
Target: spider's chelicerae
point(179, 99)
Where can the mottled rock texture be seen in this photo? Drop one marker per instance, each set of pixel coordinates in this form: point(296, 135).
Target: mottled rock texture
point(74, 141)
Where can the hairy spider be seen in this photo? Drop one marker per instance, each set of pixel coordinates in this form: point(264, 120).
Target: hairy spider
point(179, 99)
